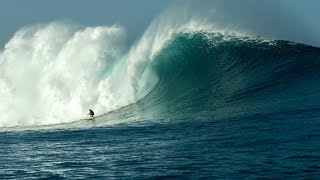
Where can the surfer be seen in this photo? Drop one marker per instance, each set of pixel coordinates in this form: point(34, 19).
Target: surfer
point(91, 113)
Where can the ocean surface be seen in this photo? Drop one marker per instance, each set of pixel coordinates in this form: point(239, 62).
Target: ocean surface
point(191, 103)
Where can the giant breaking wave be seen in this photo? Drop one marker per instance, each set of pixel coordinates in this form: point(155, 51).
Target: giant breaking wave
point(52, 73)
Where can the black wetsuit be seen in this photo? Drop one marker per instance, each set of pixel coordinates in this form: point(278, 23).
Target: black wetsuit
point(91, 113)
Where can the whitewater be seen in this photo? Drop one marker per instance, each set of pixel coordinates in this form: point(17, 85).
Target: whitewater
point(203, 93)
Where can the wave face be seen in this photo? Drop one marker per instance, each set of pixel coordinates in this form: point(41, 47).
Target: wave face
point(52, 74)
point(210, 75)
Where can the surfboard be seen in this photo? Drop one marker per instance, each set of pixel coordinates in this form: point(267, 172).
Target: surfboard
point(89, 119)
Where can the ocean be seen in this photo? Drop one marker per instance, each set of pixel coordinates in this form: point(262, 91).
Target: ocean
point(191, 103)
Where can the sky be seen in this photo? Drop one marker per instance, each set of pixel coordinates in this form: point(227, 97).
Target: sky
point(133, 15)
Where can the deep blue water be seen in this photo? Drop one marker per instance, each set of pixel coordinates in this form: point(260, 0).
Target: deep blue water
point(262, 146)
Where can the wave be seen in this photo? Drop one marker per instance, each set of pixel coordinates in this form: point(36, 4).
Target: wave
point(212, 75)
point(180, 68)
